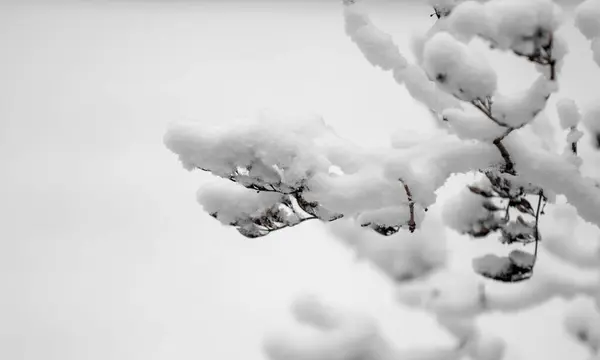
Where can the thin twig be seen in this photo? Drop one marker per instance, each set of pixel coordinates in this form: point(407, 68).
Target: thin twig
point(270, 230)
point(412, 225)
point(487, 111)
point(551, 61)
point(258, 188)
point(509, 166)
point(574, 143)
point(537, 234)
point(486, 108)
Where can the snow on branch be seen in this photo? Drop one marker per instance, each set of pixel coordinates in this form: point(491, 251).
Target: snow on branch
point(457, 70)
point(258, 213)
point(272, 157)
point(279, 171)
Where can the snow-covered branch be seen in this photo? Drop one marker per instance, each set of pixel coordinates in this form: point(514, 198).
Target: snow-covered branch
point(280, 171)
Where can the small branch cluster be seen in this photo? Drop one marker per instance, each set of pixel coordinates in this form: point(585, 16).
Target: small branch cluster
point(518, 265)
point(291, 209)
point(288, 212)
point(542, 54)
point(440, 12)
point(387, 229)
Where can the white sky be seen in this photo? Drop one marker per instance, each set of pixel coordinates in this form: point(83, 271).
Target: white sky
point(104, 253)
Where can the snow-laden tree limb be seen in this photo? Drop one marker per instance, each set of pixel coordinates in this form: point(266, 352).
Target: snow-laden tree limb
point(287, 172)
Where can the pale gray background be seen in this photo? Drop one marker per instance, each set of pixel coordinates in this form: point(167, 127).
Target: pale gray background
point(104, 253)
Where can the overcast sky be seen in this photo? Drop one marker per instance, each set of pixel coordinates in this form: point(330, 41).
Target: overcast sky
point(104, 253)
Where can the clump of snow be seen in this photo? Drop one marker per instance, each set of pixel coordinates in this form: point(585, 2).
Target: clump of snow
point(309, 309)
point(587, 18)
point(521, 108)
point(417, 44)
point(427, 166)
point(591, 118)
point(458, 70)
point(553, 173)
point(568, 113)
point(271, 149)
point(468, 20)
point(466, 212)
point(402, 256)
point(522, 25)
point(543, 131)
point(424, 90)
point(582, 321)
point(568, 239)
point(522, 258)
point(574, 136)
point(472, 125)
point(367, 189)
point(595, 45)
point(462, 328)
point(451, 293)
point(377, 46)
point(486, 347)
point(446, 293)
point(591, 121)
point(328, 334)
point(493, 266)
point(232, 203)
